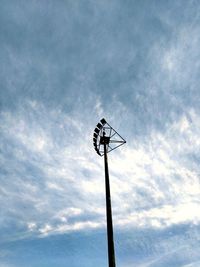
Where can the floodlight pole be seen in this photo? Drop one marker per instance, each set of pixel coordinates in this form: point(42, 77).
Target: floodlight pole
point(107, 139)
point(111, 250)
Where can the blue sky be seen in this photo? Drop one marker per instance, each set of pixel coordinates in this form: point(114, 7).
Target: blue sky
point(65, 65)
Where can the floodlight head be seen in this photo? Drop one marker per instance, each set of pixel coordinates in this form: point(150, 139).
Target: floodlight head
point(103, 121)
point(103, 135)
point(96, 130)
point(99, 125)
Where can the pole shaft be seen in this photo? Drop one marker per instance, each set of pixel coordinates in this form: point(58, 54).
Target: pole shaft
point(111, 250)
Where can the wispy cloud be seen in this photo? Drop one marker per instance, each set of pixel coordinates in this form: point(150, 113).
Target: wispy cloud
point(66, 65)
point(154, 181)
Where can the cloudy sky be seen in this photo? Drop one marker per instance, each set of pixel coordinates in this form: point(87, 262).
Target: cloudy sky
point(65, 64)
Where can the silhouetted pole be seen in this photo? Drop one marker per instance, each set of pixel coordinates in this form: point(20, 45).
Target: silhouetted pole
point(103, 136)
point(111, 250)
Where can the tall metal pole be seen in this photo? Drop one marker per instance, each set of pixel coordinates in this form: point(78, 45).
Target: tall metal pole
point(111, 250)
point(101, 140)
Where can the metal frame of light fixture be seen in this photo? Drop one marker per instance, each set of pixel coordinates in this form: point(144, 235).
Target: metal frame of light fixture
point(104, 127)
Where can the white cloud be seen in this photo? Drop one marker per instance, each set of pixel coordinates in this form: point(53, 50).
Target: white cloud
point(153, 182)
point(54, 186)
point(47, 228)
point(32, 226)
point(99, 108)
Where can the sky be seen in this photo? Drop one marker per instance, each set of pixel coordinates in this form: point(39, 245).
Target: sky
point(65, 65)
